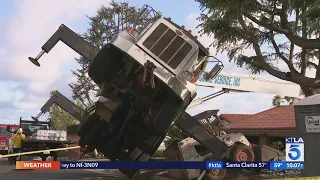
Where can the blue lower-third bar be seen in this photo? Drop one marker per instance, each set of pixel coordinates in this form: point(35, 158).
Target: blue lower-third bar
point(133, 165)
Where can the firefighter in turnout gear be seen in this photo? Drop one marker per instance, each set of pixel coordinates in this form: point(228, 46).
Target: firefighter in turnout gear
point(17, 141)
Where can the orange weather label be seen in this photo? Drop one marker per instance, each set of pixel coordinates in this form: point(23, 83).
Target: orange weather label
point(37, 165)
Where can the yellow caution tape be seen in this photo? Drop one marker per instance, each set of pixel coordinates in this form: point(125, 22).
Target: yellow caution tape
point(40, 151)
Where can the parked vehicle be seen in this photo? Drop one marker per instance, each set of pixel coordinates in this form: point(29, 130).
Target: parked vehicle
point(5, 137)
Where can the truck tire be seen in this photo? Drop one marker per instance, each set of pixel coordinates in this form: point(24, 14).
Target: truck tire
point(88, 124)
point(92, 137)
point(218, 174)
point(242, 152)
point(100, 66)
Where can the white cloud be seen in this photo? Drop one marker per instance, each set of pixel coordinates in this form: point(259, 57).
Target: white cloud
point(34, 22)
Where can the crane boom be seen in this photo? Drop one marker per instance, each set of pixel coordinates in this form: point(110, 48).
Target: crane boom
point(240, 83)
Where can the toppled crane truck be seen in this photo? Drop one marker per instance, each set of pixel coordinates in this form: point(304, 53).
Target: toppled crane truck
point(146, 77)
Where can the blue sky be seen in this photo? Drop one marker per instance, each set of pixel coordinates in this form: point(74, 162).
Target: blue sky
point(27, 24)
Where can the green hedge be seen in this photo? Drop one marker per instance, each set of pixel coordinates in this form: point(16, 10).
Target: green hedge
point(73, 129)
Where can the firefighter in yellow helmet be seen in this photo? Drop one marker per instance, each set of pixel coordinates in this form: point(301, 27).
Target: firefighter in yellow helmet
point(17, 141)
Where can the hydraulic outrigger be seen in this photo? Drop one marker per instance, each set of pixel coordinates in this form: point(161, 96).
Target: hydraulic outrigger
point(67, 105)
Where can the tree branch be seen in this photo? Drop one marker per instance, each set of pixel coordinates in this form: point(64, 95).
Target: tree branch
point(293, 77)
point(257, 49)
point(280, 54)
point(304, 59)
point(284, 16)
point(275, 11)
point(297, 40)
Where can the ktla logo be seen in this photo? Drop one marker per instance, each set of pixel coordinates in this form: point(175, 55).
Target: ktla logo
point(294, 149)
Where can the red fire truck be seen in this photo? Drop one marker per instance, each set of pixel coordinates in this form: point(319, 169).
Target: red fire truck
point(5, 136)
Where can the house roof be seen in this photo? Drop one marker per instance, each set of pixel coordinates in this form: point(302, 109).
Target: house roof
point(281, 117)
point(310, 100)
point(232, 118)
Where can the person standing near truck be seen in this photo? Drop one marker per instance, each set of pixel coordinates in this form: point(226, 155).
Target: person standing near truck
point(17, 141)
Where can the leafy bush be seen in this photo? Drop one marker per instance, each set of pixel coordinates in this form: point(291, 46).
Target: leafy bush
point(176, 132)
point(277, 145)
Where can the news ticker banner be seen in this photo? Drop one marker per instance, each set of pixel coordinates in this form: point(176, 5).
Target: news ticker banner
point(157, 165)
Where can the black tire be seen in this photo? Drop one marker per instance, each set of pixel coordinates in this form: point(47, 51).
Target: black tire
point(92, 137)
point(100, 66)
point(88, 124)
point(241, 152)
point(218, 174)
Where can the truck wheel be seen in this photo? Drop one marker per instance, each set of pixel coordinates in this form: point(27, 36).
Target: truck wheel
point(100, 66)
point(242, 152)
point(92, 137)
point(218, 174)
point(88, 124)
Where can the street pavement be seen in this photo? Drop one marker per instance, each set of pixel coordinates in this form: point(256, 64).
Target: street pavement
point(8, 171)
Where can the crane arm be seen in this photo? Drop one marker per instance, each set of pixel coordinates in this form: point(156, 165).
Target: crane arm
point(191, 126)
point(199, 101)
point(71, 39)
point(240, 83)
point(63, 102)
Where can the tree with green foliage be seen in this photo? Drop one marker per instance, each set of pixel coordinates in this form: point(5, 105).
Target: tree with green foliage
point(278, 100)
point(277, 145)
point(102, 27)
point(290, 100)
point(60, 119)
point(259, 24)
point(176, 132)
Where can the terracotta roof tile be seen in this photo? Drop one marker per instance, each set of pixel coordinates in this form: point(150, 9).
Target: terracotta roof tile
point(282, 117)
point(232, 118)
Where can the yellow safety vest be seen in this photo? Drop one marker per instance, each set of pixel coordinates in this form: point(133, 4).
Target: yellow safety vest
point(17, 140)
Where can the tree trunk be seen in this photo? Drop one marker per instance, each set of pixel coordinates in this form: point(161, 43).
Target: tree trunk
point(308, 91)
